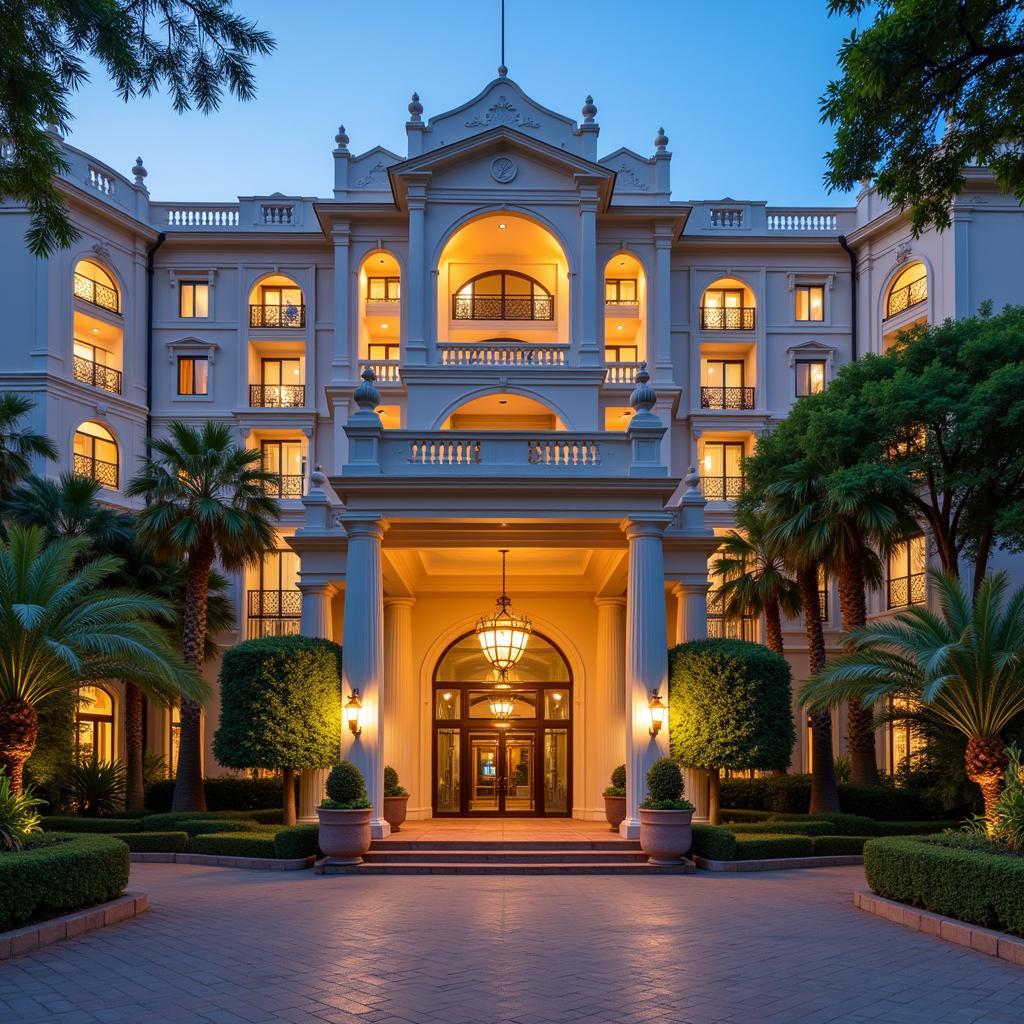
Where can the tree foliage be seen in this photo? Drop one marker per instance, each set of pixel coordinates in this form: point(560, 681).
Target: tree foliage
point(929, 88)
point(193, 49)
point(19, 444)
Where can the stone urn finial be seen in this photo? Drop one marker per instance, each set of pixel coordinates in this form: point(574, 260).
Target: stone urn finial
point(341, 139)
point(317, 478)
point(692, 480)
point(589, 110)
point(139, 172)
point(644, 396)
point(661, 141)
point(415, 108)
point(366, 396)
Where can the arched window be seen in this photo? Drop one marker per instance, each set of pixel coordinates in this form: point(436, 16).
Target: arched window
point(502, 295)
point(94, 725)
point(727, 305)
point(95, 454)
point(94, 285)
point(909, 288)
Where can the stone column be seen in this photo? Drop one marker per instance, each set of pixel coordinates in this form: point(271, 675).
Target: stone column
point(607, 710)
point(646, 656)
point(587, 277)
point(691, 611)
point(363, 663)
point(316, 622)
point(659, 353)
point(398, 699)
point(341, 236)
point(414, 299)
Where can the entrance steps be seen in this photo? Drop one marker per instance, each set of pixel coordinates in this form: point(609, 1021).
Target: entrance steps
point(434, 856)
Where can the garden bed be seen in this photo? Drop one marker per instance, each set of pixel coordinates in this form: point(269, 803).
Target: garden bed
point(767, 847)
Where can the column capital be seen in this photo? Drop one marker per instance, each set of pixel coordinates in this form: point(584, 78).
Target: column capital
point(610, 602)
point(399, 602)
point(318, 589)
point(363, 524)
point(646, 524)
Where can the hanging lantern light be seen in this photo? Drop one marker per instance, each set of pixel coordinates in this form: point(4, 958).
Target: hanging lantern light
point(503, 634)
point(502, 702)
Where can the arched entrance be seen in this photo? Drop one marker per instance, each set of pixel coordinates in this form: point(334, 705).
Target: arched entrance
point(502, 752)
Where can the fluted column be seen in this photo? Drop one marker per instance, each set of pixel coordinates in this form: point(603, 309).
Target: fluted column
point(660, 353)
point(398, 700)
point(607, 710)
point(646, 657)
point(414, 283)
point(316, 622)
point(691, 611)
point(363, 661)
point(586, 279)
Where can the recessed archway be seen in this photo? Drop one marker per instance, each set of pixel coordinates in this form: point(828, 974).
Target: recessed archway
point(503, 411)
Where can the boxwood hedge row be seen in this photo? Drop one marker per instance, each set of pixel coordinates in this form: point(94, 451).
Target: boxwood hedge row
point(155, 842)
point(70, 823)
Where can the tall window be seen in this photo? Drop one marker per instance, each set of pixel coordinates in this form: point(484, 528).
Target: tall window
point(907, 567)
point(722, 309)
point(95, 454)
point(383, 289)
point(905, 739)
point(94, 725)
point(721, 625)
point(723, 385)
point(503, 295)
point(285, 460)
point(909, 288)
point(194, 299)
point(620, 291)
point(384, 351)
point(810, 376)
point(94, 285)
point(280, 384)
point(823, 592)
point(94, 365)
point(279, 306)
point(722, 475)
point(620, 354)
point(275, 608)
point(193, 375)
point(810, 302)
point(174, 742)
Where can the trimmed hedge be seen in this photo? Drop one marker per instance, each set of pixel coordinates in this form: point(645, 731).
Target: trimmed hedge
point(951, 876)
point(155, 842)
point(835, 846)
point(274, 816)
point(209, 826)
point(713, 843)
point(236, 844)
point(71, 823)
point(791, 794)
point(297, 841)
point(59, 877)
point(731, 814)
point(173, 819)
point(856, 825)
point(768, 846)
point(222, 794)
point(810, 827)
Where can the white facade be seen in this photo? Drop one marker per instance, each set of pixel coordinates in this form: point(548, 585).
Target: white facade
point(498, 288)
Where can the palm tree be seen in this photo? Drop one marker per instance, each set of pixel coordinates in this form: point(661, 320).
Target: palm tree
point(207, 500)
point(61, 627)
point(753, 575)
point(965, 664)
point(19, 445)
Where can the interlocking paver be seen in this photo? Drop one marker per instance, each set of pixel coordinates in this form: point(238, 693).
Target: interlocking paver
point(236, 947)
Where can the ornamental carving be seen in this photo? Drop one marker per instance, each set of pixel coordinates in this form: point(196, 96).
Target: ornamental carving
point(626, 173)
point(502, 112)
point(902, 252)
point(504, 169)
point(377, 173)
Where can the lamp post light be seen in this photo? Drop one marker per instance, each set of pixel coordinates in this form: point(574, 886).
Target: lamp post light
point(657, 710)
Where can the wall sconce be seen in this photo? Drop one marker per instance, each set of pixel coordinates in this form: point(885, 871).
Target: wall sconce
point(657, 710)
point(353, 707)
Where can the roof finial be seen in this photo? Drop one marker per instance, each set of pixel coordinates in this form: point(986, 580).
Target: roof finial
point(661, 141)
point(502, 70)
point(589, 110)
point(415, 108)
point(342, 139)
point(140, 172)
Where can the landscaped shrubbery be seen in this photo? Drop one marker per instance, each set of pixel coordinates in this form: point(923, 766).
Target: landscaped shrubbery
point(58, 873)
point(154, 842)
point(810, 827)
point(296, 841)
point(769, 846)
point(70, 823)
point(226, 794)
point(713, 843)
point(836, 846)
point(235, 844)
point(959, 876)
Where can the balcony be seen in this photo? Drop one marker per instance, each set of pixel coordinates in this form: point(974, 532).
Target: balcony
point(622, 308)
point(726, 398)
point(503, 307)
point(622, 373)
point(722, 626)
point(505, 353)
point(290, 317)
point(906, 590)
point(273, 613)
point(104, 473)
point(96, 294)
point(286, 486)
point(727, 318)
point(277, 396)
point(386, 371)
point(88, 372)
point(723, 488)
point(903, 298)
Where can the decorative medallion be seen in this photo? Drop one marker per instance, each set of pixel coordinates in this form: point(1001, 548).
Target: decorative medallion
point(504, 169)
point(502, 112)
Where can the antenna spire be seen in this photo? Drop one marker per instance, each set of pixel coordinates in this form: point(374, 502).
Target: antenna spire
point(502, 70)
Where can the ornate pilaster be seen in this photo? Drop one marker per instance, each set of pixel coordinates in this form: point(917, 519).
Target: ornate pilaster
point(607, 710)
point(418, 274)
point(399, 706)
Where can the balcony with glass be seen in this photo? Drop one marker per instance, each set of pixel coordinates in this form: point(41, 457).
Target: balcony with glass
point(94, 365)
point(727, 305)
point(503, 295)
point(909, 289)
point(95, 455)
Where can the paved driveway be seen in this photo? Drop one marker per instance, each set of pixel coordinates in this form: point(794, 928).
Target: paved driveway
point(241, 947)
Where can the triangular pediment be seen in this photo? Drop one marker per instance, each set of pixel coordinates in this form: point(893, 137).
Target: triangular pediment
point(634, 173)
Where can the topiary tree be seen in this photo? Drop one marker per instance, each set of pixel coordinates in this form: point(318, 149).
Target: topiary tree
point(280, 708)
point(665, 787)
point(729, 706)
point(618, 782)
point(346, 788)
point(392, 785)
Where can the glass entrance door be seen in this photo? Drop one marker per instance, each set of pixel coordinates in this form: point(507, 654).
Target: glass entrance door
point(502, 772)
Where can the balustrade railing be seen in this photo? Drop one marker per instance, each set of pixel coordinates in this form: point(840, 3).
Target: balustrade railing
point(726, 398)
point(444, 452)
point(502, 354)
point(503, 307)
point(277, 396)
point(89, 372)
point(98, 294)
point(622, 373)
point(104, 473)
point(723, 488)
point(907, 296)
point(286, 485)
point(277, 316)
point(387, 371)
point(575, 451)
point(201, 217)
point(727, 318)
point(825, 222)
point(725, 216)
point(906, 590)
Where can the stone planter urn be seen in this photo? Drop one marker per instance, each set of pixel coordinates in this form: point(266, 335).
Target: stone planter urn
point(615, 811)
point(394, 810)
point(665, 836)
point(344, 835)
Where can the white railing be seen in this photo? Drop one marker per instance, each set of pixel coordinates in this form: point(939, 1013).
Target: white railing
point(725, 217)
point(100, 180)
point(387, 371)
point(574, 451)
point(622, 373)
point(444, 451)
point(207, 216)
point(277, 213)
point(503, 354)
point(802, 221)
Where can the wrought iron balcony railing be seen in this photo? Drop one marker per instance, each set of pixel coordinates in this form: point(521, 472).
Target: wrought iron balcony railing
point(98, 294)
point(89, 372)
point(906, 590)
point(904, 298)
point(285, 485)
point(726, 398)
point(723, 488)
point(104, 473)
point(273, 613)
point(503, 307)
point(277, 396)
point(285, 317)
point(722, 626)
point(508, 353)
point(727, 318)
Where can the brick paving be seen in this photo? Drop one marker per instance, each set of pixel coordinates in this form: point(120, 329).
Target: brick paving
point(245, 947)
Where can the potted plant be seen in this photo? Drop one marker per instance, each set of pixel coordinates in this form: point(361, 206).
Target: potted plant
point(615, 799)
point(665, 817)
point(345, 816)
point(396, 799)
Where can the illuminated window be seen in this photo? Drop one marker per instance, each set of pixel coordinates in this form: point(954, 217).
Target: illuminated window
point(174, 742)
point(193, 375)
point(94, 285)
point(194, 300)
point(275, 609)
point(722, 386)
point(907, 566)
point(285, 460)
point(905, 739)
point(94, 725)
point(823, 592)
point(503, 295)
point(381, 351)
point(383, 289)
point(810, 302)
point(810, 376)
point(721, 470)
point(909, 288)
point(95, 454)
point(620, 354)
point(620, 291)
point(722, 309)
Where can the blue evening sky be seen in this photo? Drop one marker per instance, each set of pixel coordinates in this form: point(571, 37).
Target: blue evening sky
point(736, 86)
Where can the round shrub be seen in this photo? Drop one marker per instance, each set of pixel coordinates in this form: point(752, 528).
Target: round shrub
point(346, 788)
point(619, 777)
point(665, 787)
point(392, 787)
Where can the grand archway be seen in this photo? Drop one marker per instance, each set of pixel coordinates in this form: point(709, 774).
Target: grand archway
point(485, 765)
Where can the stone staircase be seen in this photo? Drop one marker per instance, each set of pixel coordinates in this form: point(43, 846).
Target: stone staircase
point(435, 856)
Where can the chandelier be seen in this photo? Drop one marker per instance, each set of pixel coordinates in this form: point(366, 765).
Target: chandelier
point(503, 634)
